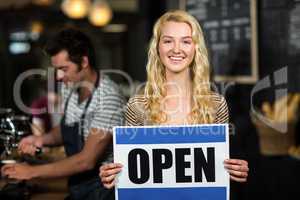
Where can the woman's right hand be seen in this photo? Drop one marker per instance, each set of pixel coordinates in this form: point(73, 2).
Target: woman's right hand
point(108, 173)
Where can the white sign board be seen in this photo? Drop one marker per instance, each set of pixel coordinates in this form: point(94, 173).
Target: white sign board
point(172, 162)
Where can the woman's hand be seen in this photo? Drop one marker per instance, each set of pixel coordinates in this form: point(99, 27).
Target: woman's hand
point(108, 173)
point(237, 169)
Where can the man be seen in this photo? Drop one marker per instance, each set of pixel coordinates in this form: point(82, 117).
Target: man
point(92, 106)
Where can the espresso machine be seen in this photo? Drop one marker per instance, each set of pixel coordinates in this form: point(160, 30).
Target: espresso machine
point(4, 114)
point(12, 129)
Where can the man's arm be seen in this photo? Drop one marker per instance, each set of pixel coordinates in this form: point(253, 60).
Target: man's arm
point(94, 148)
point(53, 137)
point(29, 145)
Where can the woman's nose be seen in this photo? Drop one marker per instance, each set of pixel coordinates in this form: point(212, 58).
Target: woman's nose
point(176, 47)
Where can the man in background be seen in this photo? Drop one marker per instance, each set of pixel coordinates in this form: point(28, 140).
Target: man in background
point(92, 106)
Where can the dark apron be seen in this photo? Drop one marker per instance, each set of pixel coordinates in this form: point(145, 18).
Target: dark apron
point(85, 185)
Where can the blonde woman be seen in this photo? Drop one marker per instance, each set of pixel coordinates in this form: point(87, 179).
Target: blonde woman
point(178, 87)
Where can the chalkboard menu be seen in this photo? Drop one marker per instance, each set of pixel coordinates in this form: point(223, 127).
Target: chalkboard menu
point(294, 31)
point(292, 59)
point(230, 32)
point(279, 39)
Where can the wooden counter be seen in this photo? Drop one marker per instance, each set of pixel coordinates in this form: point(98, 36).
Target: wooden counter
point(45, 189)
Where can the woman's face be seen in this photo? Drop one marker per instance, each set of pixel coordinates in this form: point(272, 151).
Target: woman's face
point(176, 47)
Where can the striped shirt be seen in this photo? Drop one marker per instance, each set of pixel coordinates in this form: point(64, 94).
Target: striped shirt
point(136, 114)
point(104, 111)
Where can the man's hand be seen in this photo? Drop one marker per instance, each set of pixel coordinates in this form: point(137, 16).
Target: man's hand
point(18, 171)
point(30, 144)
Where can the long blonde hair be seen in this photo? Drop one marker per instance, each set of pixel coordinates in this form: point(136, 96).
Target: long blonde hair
point(202, 111)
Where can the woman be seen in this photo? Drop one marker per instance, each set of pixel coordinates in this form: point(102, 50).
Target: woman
point(178, 87)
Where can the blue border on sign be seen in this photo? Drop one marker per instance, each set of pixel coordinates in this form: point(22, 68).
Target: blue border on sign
point(169, 135)
point(191, 193)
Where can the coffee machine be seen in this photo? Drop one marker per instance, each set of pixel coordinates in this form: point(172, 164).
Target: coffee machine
point(12, 129)
point(4, 114)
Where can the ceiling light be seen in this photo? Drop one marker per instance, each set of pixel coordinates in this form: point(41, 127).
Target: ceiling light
point(100, 13)
point(76, 9)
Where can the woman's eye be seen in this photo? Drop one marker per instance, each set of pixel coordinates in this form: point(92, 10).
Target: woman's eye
point(167, 41)
point(187, 42)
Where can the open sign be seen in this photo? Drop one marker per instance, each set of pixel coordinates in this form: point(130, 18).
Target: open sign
point(178, 162)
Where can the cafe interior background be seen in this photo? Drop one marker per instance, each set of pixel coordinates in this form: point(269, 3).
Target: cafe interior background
point(255, 55)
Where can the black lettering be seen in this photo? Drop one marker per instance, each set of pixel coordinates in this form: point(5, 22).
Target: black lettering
point(144, 166)
point(208, 165)
point(181, 164)
point(159, 165)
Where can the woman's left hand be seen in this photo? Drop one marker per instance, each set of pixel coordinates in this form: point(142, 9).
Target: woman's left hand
point(237, 169)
